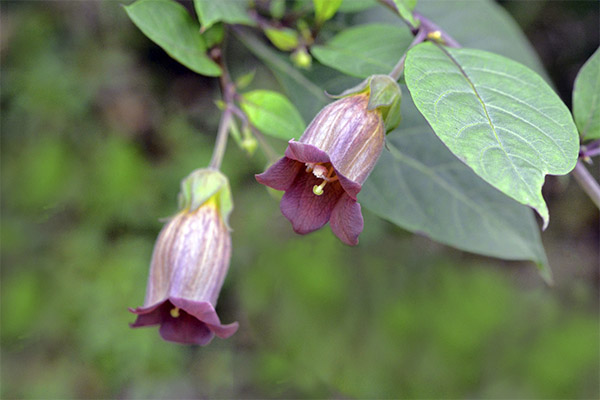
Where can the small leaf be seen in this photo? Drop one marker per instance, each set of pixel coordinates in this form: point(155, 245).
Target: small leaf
point(169, 25)
point(325, 9)
point(405, 8)
point(227, 11)
point(284, 39)
point(277, 9)
point(243, 81)
point(365, 49)
point(420, 186)
point(353, 6)
point(497, 116)
point(273, 114)
point(214, 35)
point(586, 98)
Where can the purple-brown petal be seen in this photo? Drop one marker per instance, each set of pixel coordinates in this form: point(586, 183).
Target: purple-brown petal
point(307, 153)
point(205, 312)
point(185, 329)
point(346, 220)
point(306, 211)
point(280, 175)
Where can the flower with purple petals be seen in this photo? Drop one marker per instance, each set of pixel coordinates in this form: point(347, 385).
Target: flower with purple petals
point(189, 264)
point(323, 172)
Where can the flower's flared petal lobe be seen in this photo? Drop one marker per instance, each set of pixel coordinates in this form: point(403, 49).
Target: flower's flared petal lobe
point(186, 329)
point(205, 312)
point(305, 153)
point(347, 220)
point(147, 316)
point(350, 187)
point(306, 211)
point(280, 175)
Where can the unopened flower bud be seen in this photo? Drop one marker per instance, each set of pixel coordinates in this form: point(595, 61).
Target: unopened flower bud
point(189, 264)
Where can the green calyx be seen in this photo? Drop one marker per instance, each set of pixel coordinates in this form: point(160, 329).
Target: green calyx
point(203, 185)
point(384, 95)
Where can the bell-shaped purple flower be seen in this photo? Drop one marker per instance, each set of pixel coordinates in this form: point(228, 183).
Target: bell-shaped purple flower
point(189, 264)
point(323, 172)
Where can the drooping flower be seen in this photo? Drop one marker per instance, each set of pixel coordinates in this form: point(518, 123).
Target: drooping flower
point(189, 264)
point(324, 170)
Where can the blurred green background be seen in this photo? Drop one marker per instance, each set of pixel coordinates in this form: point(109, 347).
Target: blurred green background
point(98, 126)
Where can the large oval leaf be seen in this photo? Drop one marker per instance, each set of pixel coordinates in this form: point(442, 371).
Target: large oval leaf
point(365, 50)
point(586, 98)
point(169, 25)
point(419, 185)
point(497, 116)
point(273, 114)
point(228, 11)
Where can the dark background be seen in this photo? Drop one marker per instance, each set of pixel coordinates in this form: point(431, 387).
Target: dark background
point(98, 126)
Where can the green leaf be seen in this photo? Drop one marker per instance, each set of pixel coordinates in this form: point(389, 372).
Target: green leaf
point(352, 6)
point(169, 25)
point(273, 114)
point(481, 24)
point(405, 8)
point(419, 185)
point(214, 35)
point(365, 50)
point(227, 11)
point(497, 116)
point(285, 39)
point(325, 9)
point(586, 98)
point(308, 97)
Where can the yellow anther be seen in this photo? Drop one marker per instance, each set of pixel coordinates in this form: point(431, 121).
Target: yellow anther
point(435, 35)
point(318, 189)
point(175, 312)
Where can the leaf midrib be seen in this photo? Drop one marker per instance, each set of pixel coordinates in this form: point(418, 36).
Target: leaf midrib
point(487, 115)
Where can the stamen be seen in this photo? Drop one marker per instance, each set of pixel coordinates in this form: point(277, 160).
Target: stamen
point(320, 171)
point(309, 166)
point(175, 312)
point(318, 189)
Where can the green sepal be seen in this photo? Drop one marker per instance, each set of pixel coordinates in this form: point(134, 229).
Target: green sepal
point(385, 94)
point(202, 185)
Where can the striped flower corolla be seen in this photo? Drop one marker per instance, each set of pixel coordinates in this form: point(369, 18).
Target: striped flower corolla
point(324, 170)
point(189, 264)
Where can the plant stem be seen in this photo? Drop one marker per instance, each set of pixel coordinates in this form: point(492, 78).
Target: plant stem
point(399, 67)
point(587, 182)
point(430, 27)
point(228, 91)
point(590, 150)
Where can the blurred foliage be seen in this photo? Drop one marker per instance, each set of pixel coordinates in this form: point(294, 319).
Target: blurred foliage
point(98, 127)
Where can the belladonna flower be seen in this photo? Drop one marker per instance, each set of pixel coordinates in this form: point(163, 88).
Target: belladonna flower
point(323, 172)
point(189, 264)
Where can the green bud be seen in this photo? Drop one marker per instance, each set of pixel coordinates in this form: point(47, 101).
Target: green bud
point(248, 143)
point(204, 185)
point(301, 58)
